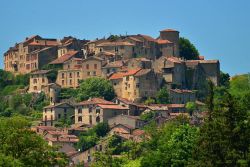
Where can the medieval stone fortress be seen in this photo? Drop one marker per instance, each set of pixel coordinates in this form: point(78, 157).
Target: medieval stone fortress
point(137, 66)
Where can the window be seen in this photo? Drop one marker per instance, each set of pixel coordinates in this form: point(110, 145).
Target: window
point(59, 116)
point(97, 111)
point(87, 66)
point(70, 75)
point(43, 80)
point(88, 73)
point(78, 74)
point(79, 110)
point(35, 81)
point(90, 110)
point(97, 119)
point(95, 66)
point(62, 82)
point(35, 87)
point(70, 82)
point(79, 119)
point(62, 75)
point(90, 119)
point(94, 73)
point(127, 78)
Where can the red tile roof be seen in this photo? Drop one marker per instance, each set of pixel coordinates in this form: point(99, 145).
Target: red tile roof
point(181, 90)
point(161, 41)
point(176, 105)
point(95, 101)
point(113, 106)
point(147, 37)
point(174, 60)
point(119, 43)
point(119, 75)
point(114, 64)
point(40, 72)
point(64, 57)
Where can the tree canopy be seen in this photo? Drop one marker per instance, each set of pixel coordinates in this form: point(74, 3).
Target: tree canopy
point(187, 49)
point(96, 87)
point(162, 96)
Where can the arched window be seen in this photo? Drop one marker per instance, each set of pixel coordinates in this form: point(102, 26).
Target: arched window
point(98, 119)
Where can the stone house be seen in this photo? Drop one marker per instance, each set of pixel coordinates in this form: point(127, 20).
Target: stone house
point(134, 84)
point(131, 121)
point(113, 67)
point(70, 44)
point(135, 109)
point(176, 108)
point(38, 80)
point(96, 110)
point(142, 63)
point(52, 90)
point(71, 74)
point(92, 67)
point(91, 48)
point(173, 71)
point(124, 49)
point(18, 59)
point(56, 112)
point(159, 109)
point(58, 63)
point(181, 96)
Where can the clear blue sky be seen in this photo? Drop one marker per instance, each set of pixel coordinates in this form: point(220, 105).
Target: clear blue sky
point(220, 29)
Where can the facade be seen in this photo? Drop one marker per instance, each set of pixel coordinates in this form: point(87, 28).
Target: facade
point(96, 110)
point(29, 55)
point(181, 96)
point(135, 109)
point(131, 121)
point(92, 67)
point(113, 67)
point(53, 113)
point(38, 80)
point(134, 84)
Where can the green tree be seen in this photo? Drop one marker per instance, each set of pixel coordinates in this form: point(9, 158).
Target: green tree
point(149, 101)
point(191, 107)
point(162, 96)
point(96, 87)
point(187, 49)
point(224, 79)
point(224, 137)
point(30, 149)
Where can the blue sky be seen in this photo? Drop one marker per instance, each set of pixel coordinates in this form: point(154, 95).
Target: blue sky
point(220, 29)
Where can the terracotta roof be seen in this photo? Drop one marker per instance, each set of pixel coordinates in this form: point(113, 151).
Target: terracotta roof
point(174, 60)
point(106, 53)
point(147, 37)
point(209, 61)
point(119, 43)
point(176, 105)
point(44, 43)
point(119, 75)
point(41, 72)
point(46, 127)
point(113, 106)
point(125, 125)
point(181, 90)
point(142, 72)
point(55, 132)
point(134, 39)
point(161, 41)
point(95, 101)
point(169, 30)
point(158, 107)
point(138, 132)
point(64, 57)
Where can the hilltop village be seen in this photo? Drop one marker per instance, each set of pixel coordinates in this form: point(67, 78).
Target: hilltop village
point(137, 66)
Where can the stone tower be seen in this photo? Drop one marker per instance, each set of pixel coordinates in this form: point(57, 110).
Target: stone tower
point(54, 92)
point(172, 36)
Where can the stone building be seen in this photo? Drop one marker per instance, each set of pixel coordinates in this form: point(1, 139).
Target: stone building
point(38, 80)
point(70, 44)
point(142, 63)
point(113, 67)
point(92, 67)
point(30, 55)
point(58, 63)
point(134, 84)
point(132, 121)
point(96, 110)
point(181, 96)
point(71, 74)
point(56, 112)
